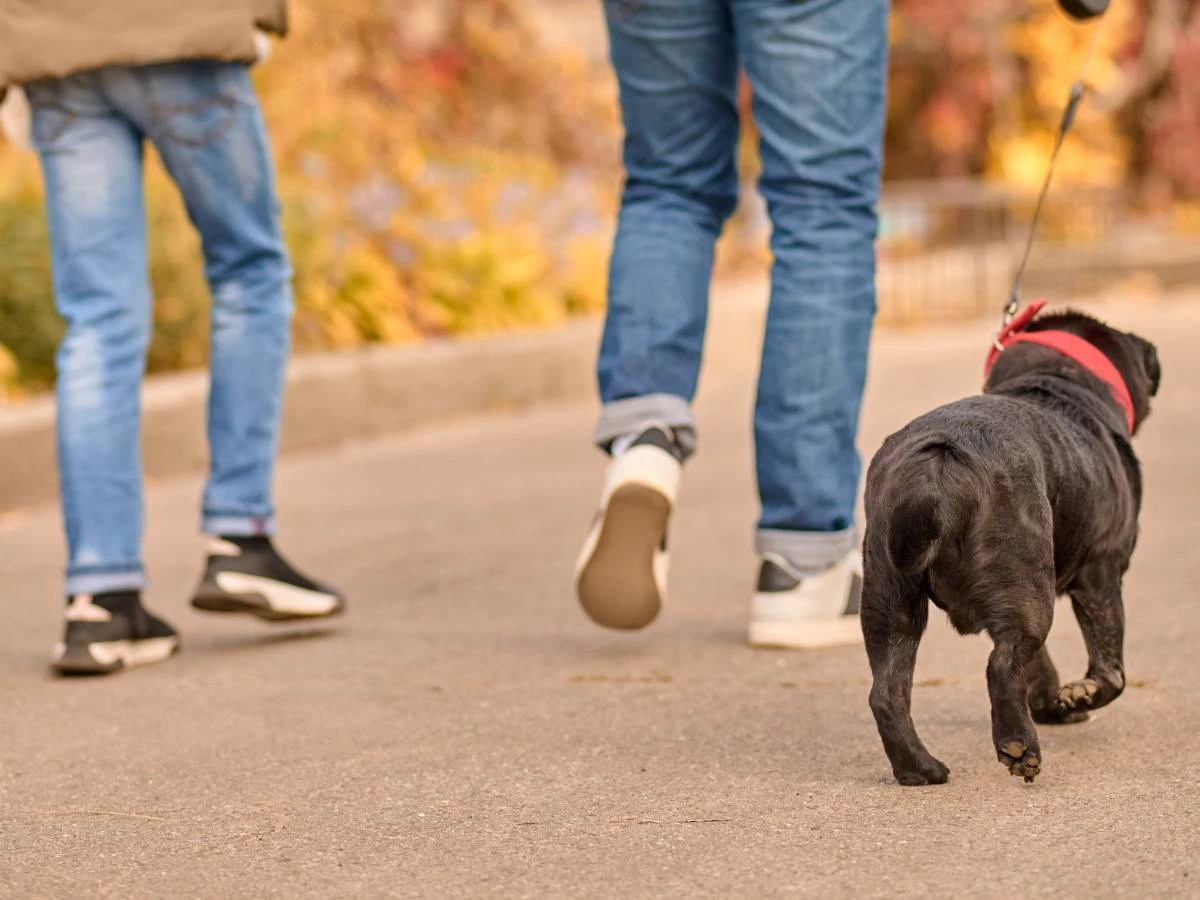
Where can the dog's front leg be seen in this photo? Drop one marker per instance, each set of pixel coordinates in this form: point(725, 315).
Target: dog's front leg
point(1096, 598)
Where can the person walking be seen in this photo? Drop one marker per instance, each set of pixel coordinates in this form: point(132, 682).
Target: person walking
point(103, 77)
point(817, 69)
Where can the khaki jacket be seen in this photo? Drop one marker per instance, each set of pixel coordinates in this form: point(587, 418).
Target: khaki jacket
point(53, 38)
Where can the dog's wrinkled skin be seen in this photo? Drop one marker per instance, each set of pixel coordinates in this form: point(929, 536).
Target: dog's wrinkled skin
point(991, 507)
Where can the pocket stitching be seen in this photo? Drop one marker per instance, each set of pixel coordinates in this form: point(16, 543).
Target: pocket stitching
point(625, 10)
point(54, 103)
point(161, 115)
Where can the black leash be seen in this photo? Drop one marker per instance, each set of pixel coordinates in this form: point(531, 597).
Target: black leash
point(1078, 92)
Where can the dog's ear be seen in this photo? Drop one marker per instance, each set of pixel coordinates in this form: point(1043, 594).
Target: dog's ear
point(1152, 366)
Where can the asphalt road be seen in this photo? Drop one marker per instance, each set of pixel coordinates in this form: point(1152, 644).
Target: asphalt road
point(466, 732)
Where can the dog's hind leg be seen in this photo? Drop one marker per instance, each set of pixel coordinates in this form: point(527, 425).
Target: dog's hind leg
point(1019, 638)
point(1042, 682)
point(894, 614)
point(1096, 599)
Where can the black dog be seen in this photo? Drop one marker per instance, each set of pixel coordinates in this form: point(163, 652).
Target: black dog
point(993, 506)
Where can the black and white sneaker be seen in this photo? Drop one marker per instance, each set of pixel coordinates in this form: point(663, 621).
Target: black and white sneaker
point(109, 632)
point(247, 575)
point(797, 612)
point(621, 576)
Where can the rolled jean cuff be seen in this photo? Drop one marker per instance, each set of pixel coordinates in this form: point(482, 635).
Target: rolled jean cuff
point(102, 582)
point(808, 552)
point(635, 414)
point(237, 526)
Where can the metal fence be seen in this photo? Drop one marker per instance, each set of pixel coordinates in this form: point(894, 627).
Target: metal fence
point(949, 249)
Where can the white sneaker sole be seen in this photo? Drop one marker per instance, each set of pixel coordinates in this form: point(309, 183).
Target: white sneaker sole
point(621, 575)
point(807, 634)
point(104, 656)
point(266, 598)
point(282, 598)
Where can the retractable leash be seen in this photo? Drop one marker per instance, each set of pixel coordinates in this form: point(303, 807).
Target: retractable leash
point(1082, 10)
point(1016, 321)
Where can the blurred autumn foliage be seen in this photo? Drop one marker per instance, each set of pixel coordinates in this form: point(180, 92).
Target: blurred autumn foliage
point(440, 174)
point(978, 88)
point(422, 195)
point(444, 171)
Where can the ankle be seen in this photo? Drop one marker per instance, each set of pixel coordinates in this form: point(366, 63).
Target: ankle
point(655, 435)
point(225, 544)
point(79, 605)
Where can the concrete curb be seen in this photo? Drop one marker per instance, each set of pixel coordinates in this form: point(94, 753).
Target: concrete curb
point(339, 398)
point(331, 399)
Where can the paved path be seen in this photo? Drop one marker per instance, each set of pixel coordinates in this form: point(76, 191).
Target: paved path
point(465, 732)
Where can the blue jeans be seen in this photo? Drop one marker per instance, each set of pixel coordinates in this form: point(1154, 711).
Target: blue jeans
point(818, 71)
point(90, 130)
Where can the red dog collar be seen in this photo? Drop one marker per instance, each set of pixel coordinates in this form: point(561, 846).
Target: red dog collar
point(1069, 345)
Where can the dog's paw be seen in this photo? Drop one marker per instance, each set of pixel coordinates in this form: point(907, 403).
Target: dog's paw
point(1078, 696)
point(930, 771)
point(1020, 759)
point(1053, 714)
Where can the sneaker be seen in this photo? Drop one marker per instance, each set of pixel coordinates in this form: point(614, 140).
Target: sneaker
point(247, 575)
point(794, 611)
point(111, 631)
point(621, 576)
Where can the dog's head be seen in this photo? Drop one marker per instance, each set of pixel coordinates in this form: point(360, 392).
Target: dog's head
point(1135, 358)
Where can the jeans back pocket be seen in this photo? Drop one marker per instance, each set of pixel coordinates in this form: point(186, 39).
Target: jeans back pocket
point(192, 103)
point(49, 114)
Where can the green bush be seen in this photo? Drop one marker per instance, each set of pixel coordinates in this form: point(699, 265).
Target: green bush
point(29, 327)
point(421, 196)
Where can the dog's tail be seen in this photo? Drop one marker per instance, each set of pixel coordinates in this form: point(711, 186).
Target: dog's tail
point(920, 514)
